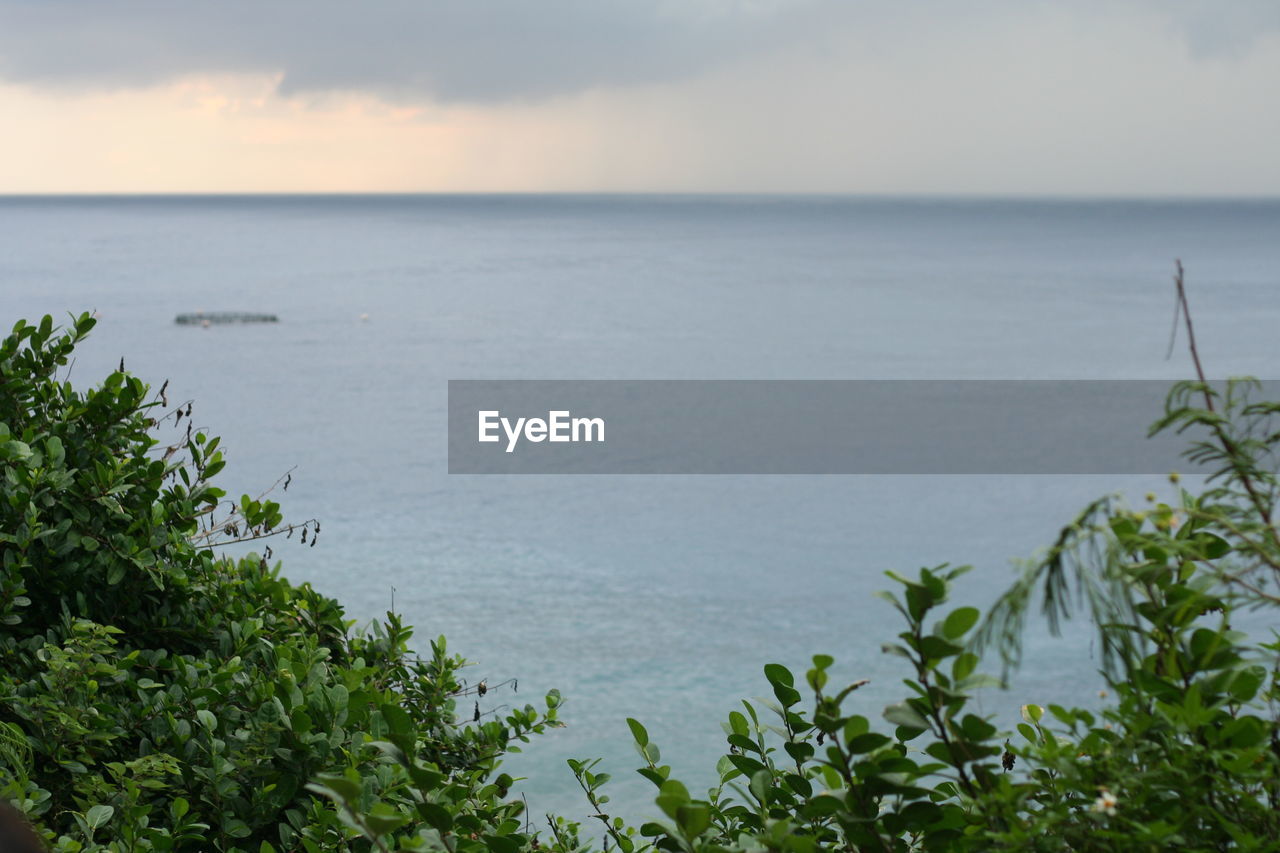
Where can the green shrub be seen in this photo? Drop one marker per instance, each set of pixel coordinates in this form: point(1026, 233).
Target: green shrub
point(155, 696)
point(1185, 756)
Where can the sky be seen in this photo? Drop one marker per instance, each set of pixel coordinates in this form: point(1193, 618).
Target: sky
point(992, 97)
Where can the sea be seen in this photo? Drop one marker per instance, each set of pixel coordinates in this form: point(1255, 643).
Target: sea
point(654, 597)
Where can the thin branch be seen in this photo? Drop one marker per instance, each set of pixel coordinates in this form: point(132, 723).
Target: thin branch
point(1191, 332)
point(1177, 312)
point(1264, 511)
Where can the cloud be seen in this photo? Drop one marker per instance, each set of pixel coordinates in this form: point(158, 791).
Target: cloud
point(1052, 107)
point(494, 51)
point(447, 50)
point(1214, 29)
point(1004, 96)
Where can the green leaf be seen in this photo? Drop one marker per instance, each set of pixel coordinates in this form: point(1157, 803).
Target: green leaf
point(902, 714)
point(979, 681)
point(867, 742)
point(437, 816)
point(959, 621)
point(671, 796)
point(1244, 686)
point(18, 451)
point(397, 720)
point(501, 844)
point(1213, 547)
point(693, 819)
point(337, 787)
point(963, 666)
point(975, 728)
point(638, 732)
point(98, 816)
point(778, 675)
point(207, 719)
point(382, 819)
point(799, 750)
point(760, 783)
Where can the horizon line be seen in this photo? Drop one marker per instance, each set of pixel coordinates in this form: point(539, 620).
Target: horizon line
point(727, 194)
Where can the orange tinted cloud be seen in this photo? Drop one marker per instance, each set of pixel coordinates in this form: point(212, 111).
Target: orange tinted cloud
point(1037, 104)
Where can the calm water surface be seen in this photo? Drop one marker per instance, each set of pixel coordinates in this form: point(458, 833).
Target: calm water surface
point(659, 598)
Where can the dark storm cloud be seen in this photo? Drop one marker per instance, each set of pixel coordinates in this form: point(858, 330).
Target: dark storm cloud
point(482, 50)
point(499, 50)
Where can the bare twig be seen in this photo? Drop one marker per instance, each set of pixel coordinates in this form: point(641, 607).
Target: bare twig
point(1228, 446)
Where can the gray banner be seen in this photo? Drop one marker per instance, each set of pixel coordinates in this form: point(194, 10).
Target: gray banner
point(811, 427)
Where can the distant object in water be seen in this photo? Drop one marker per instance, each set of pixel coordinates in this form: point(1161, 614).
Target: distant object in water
point(209, 318)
